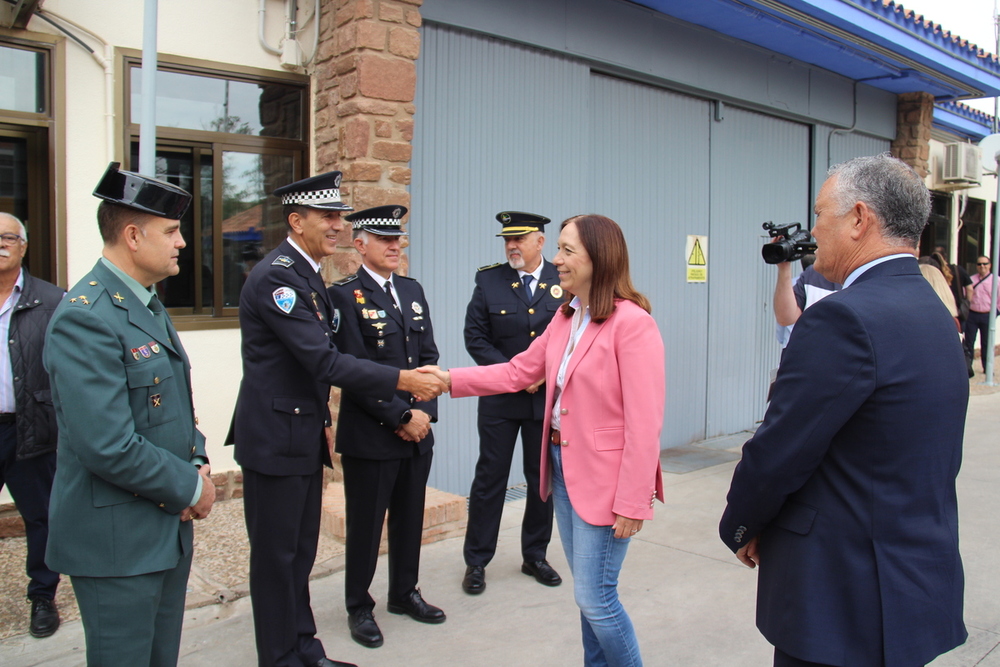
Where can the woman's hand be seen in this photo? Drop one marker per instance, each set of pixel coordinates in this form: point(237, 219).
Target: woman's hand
point(625, 527)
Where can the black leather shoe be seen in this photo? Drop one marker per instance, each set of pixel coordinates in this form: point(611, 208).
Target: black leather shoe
point(326, 662)
point(413, 605)
point(44, 617)
point(474, 582)
point(542, 572)
point(364, 629)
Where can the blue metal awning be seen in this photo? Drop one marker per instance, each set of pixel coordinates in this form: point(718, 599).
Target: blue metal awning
point(962, 120)
point(879, 43)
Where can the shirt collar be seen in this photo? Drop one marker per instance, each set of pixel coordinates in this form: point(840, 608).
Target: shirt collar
point(379, 280)
point(145, 294)
point(856, 273)
point(312, 262)
point(536, 274)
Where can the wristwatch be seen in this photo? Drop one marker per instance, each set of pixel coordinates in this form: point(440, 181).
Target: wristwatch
point(406, 417)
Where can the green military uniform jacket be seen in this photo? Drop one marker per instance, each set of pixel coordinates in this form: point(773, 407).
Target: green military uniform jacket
point(121, 387)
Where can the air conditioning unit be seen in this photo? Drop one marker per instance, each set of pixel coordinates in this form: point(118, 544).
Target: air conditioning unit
point(961, 165)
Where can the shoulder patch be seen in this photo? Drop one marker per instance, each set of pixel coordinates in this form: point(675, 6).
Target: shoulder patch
point(284, 299)
point(346, 280)
point(283, 260)
point(490, 266)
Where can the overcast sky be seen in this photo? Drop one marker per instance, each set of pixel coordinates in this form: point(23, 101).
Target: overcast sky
point(970, 19)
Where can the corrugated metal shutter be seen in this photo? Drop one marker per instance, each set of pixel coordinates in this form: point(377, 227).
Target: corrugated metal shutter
point(650, 173)
point(499, 126)
point(760, 172)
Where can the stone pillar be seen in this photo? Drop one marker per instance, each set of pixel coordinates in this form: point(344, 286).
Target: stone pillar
point(914, 116)
point(365, 81)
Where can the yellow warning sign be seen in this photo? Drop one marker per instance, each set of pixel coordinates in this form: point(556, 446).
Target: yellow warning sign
point(696, 253)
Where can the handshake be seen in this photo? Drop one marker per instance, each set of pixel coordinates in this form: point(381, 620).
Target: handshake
point(425, 383)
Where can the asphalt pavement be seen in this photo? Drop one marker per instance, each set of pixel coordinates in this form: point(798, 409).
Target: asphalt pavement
point(691, 601)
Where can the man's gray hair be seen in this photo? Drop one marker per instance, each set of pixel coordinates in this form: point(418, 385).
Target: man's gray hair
point(24, 231)
point(361, 234)
point(890, 188)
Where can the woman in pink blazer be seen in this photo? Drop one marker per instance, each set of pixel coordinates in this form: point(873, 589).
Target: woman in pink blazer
point(602, 361)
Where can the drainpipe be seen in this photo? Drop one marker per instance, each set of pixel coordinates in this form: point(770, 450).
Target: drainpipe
point(147, 120)
point(261, 15)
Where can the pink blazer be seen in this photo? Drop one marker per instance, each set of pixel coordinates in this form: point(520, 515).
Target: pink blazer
point(611, 409)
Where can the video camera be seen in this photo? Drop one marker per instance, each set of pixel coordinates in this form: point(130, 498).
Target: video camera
point(795, 242)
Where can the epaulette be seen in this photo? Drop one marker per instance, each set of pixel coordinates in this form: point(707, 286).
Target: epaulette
point(406, 277)
point(283, 260)
point(84, 299)
point(346, 280)
point(490, 266)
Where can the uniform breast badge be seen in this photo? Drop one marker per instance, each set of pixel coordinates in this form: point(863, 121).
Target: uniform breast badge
point(417, 308)
point(556, 291)
point(155, 400)
point(359, 297)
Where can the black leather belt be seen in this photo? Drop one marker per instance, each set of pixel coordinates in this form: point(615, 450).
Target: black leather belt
point(7, 417)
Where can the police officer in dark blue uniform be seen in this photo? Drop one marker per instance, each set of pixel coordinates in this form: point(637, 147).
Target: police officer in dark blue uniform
point(511, 305)
point(385, 444)
point(289, 363)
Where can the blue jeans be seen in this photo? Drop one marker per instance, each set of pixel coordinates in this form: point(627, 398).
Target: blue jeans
point(595, 558)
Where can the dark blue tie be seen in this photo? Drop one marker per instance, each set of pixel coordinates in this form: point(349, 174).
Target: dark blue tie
point(526, 281)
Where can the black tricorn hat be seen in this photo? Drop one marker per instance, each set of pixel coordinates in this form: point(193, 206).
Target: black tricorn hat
point(517, 223)
point(320, 191)
point(381, 220)
point(143, 193)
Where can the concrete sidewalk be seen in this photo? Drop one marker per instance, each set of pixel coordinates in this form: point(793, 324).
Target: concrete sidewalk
point(691, 601)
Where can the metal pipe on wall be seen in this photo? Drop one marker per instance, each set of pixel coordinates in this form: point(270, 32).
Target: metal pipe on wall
point(147, 118)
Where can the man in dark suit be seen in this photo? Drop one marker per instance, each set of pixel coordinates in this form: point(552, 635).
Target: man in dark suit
point(511, 305)
point(27, 418)
point(131, 467)
point(385, 445)
point(289, 364)
point(845, 496)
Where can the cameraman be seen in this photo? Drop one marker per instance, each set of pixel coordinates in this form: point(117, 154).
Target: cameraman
point(790, 300)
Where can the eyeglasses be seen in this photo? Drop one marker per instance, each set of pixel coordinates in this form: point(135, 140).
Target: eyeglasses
point(10, 239)
point(977, 263)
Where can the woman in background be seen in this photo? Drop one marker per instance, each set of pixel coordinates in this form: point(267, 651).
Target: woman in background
point(603, 364)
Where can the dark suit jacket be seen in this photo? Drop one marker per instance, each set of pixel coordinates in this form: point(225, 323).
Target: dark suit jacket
point(367, 326)
point(122, 390)
point(850, 480)
point(501, 321)
point(289, 363)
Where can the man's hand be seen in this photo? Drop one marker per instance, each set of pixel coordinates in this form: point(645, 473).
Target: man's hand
point(417, 428)
point(533, 388)
point(203, 507)
point(423, 385)
point(749, 554)
point(443, 376)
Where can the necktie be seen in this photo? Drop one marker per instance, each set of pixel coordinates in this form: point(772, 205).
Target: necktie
point(526, 280)
point(156, 307)
point(388, 290)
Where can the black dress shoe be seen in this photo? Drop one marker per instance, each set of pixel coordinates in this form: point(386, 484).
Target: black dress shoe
point(364, 629)
point(44, 617)
point(542, 572)
point(413, 605)
point(326, 662)
point(474, 582)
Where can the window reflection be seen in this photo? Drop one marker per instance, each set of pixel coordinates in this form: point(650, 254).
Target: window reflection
point(192, 102)
point(22, 80)
point(251, 223)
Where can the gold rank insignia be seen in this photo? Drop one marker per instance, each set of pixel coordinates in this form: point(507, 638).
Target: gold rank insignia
point(119, 297)
point(73, 300)
point(155, 399)
point(379, 325)
point(515, 285)
point(83, 298)
point(542, 285)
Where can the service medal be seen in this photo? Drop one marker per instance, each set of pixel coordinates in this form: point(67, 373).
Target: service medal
point(417, 308)
point(556, 291)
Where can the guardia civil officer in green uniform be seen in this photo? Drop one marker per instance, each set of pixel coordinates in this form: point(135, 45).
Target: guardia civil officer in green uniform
point(131, 470)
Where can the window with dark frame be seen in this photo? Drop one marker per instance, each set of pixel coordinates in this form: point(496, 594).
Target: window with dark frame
point(229, 139)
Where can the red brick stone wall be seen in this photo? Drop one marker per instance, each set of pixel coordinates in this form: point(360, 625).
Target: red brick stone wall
point(914, 115)
point(365, 81)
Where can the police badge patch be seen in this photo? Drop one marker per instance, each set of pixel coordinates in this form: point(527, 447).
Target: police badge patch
point(335, 320)
point(284, 298)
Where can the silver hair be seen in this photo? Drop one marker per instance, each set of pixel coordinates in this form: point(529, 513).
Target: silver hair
point(890, 188)
point(24, 230)
point(361, 234)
